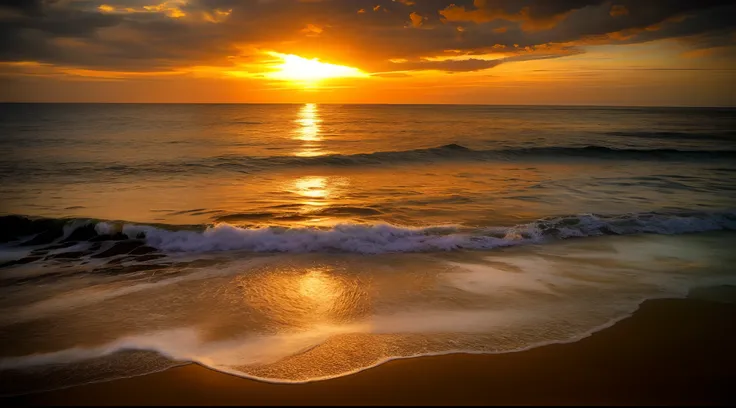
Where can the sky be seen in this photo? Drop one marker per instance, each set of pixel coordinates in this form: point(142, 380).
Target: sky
point(511, 52)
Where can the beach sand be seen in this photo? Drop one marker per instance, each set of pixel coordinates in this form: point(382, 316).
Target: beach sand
point(669, 352)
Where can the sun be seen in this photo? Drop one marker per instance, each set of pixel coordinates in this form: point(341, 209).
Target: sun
point(296, 68)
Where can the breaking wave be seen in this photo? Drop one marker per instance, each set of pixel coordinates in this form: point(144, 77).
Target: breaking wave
point(354, 238)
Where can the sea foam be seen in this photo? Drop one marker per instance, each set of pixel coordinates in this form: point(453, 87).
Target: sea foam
point(384, 238)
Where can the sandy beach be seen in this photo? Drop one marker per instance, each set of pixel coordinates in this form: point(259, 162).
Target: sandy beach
point(669, 352)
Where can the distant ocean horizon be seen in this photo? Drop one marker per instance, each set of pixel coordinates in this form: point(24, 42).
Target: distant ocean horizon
point(382, 104)
point(296, 242)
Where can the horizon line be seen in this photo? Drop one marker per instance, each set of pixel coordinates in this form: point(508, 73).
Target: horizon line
point(365, 104)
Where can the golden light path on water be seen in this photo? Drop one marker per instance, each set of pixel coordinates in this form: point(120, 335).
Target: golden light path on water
point(308, 118)
point(307, 130)
point(314, 192)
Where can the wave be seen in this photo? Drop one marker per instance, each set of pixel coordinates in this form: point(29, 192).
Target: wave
point(186, 345)
point(137, 239)
point(238, 356)
point(450, 152)
point(459, 152)
point(274, 357)
point(721, 136)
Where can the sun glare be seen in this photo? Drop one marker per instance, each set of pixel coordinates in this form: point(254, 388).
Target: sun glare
point(296, 68)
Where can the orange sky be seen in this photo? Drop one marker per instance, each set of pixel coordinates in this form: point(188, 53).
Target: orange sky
point(645, 52)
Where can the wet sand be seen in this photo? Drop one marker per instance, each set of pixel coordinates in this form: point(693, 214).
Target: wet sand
point(669, 352)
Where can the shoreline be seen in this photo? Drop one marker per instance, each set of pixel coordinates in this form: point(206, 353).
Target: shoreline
point(670, 351)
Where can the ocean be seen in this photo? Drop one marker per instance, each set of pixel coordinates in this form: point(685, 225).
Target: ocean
point(293, 243)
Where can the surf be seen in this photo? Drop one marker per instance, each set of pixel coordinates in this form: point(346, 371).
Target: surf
point(109, 238)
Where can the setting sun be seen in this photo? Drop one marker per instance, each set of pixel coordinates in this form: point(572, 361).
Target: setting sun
point(296, 68)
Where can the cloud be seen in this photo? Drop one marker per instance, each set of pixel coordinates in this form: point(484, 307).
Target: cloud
point(533, 15)
point(391, 75)
point(312, 29)
point(468, 65)
point(618, 10)
point(416, 19)
point(21, 7)
point(169, 8)
point(234, 34)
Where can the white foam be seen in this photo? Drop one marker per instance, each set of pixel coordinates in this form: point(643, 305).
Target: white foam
point(287, 323)
point(186, 344)
point(490, 279)
point(384, 238)
point(10, 253)
point(367, 239)
point(106, 228)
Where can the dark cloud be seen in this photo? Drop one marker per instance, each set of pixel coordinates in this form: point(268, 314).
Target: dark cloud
point(30, 33)
point(212, 32)
point(468, 65)
point(532, 14)
point(25, 7)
